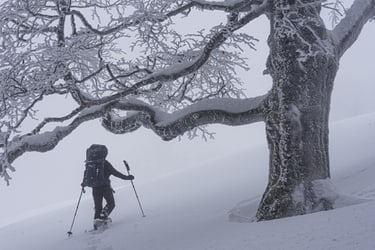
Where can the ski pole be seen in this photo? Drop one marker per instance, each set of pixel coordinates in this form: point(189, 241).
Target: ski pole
point(75, 213)
point(136, 195)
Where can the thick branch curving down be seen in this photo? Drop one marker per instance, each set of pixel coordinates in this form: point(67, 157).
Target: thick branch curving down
point(45, 141)
point(168, 126)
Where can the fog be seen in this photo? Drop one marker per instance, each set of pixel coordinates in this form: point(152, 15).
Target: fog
point(42, 179)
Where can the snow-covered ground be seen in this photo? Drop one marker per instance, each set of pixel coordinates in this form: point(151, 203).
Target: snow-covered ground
point(188, 208)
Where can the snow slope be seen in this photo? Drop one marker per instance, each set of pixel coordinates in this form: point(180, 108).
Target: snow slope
point(188, 208)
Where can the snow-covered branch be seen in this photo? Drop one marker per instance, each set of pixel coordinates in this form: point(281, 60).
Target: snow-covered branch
point(227, 5)
point(349, 28)
point(44, 141)
point(176, 71)
point(43, 54)
point(227, 111)
point(171, 9)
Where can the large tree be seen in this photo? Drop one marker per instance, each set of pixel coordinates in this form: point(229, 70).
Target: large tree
point(125, 62)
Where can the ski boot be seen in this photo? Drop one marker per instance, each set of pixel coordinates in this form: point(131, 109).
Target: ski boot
point(104, 214)
point(103, 220)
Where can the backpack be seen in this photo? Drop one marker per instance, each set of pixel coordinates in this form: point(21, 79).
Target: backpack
point(94, 166)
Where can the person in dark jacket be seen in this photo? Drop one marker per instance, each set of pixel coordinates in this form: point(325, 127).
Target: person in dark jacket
point(105, 191)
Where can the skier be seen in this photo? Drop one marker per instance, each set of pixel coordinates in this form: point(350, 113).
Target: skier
point(97, 175)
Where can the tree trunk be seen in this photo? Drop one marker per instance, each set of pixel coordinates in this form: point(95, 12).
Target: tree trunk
point(303, 65)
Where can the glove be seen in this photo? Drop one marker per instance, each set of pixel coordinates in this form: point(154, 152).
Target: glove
point(130, 177)
point(83, 188)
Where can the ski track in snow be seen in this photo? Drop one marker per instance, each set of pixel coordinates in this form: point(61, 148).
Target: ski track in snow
point(187, 209)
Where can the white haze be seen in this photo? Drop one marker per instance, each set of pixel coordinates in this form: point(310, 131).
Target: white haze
point(52, 180)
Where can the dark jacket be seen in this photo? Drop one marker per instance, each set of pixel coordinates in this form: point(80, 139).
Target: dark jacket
point(106, 182)
point(110, 170)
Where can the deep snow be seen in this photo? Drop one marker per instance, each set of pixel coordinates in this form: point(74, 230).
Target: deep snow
point(188, 208)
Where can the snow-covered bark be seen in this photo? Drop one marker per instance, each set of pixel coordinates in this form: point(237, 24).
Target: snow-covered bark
point(303, 65)
point(303, 62)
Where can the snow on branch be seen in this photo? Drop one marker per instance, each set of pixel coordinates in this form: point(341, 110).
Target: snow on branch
point(46, 55)
point(44, 141)
point(172, 10)
point(184, 68)
point(168, 126)
point(227, 5)
point(349, 28)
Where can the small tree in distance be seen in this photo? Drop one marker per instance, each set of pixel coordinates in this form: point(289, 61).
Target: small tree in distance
point(174, 83)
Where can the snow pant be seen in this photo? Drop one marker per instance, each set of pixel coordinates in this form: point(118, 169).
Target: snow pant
point(98, 194)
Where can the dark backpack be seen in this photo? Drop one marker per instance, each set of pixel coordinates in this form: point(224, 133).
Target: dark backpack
point(94, 172)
